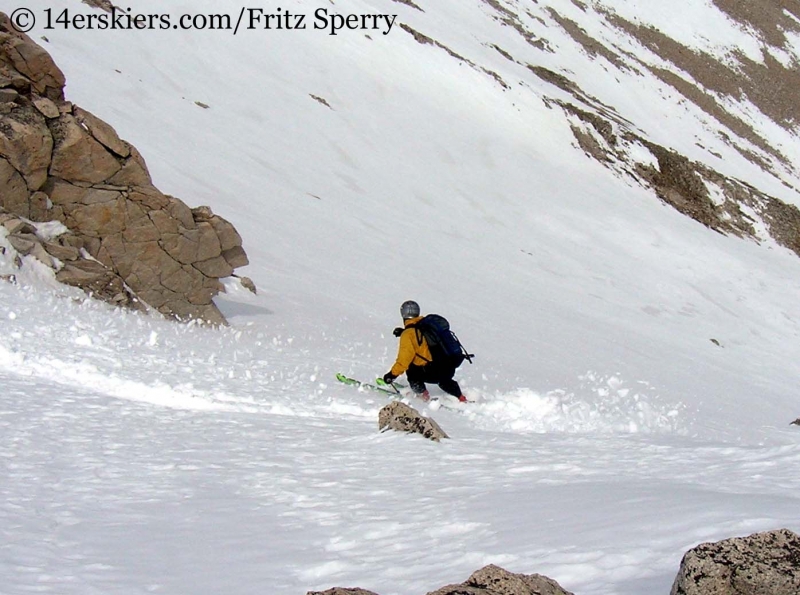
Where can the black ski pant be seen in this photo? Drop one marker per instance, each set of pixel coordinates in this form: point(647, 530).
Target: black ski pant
point(443, 376)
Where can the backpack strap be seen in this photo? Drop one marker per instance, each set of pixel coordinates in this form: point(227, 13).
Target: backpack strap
point(419, 336)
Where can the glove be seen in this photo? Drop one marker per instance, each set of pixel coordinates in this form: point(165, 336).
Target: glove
point(398, 331)
point(388, 378)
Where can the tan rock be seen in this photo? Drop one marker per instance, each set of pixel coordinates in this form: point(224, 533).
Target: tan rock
point(40, 254)
point(131, 174)
point(102, 132)
point(181, 212)
point(31, 61)
point(164, 222)
point(201, 296)
point(98, 219)
point(248, 284)
point(202, 213)
point(26, 143)
point(403, 418)
point(215, 267)
point(46, 107)
point(182, 246)
point(228, 236)
point(493, 580)
point(209, 246)
point(149, 197)
point(342, 591)
point(14, 194)
point(77, 156)
point(145, 265)
point(22, 243)
point(9, 77)
point(60, 162)
point(180, 281)
point(236, 257)
point(8, 95)
point(40, 207)
point(62, 253)
point(141, 230)
point(64, 194)
point(14, 225)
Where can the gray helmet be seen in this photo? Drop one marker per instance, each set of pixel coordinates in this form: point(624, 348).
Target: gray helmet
point(409, 309)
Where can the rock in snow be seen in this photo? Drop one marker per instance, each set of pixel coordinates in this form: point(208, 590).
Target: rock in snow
point(762, 564)
point(404, 418)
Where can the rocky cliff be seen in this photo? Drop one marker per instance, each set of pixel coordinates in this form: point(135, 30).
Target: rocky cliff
point(129, 243)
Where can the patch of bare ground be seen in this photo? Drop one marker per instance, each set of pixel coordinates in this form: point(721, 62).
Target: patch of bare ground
point(768, 18)
point(710, 106)
point(562, 82)
point(425, 40)
point(511, 19)
point(590, 45)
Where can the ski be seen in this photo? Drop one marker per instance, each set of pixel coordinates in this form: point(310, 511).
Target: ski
point(357, 383)
point(381, 387)
point(382, 382)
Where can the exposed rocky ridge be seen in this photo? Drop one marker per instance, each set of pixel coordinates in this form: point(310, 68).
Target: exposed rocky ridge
point(719, 202)
point(761, 564)
point(723, 88)
point(59, 162)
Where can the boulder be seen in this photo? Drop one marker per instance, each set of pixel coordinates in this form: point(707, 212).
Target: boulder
point(342, 591)
point(493, 580)
point(403, 418)
point(762, 564)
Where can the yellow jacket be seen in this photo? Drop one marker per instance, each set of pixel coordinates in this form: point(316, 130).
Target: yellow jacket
point(413, 349)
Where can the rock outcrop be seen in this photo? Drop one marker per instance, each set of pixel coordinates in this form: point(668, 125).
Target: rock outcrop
point(61, 251)
point(59, 162)
point(763, 563)
point(404, 418)
point(493, 580)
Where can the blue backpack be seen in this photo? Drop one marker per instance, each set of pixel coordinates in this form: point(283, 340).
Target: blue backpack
point(443, 343)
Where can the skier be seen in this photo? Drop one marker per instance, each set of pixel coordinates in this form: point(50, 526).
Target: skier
point(414, 359)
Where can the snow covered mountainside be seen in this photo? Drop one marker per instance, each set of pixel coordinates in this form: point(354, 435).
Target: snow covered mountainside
point(524, 168)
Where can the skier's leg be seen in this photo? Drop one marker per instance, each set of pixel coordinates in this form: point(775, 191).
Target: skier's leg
point(448, 384)
point(416, 379)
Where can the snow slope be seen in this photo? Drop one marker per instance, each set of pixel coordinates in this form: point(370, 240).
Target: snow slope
point(610, 433)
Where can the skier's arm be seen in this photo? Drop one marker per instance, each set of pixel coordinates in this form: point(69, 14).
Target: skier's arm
point(405, 353)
